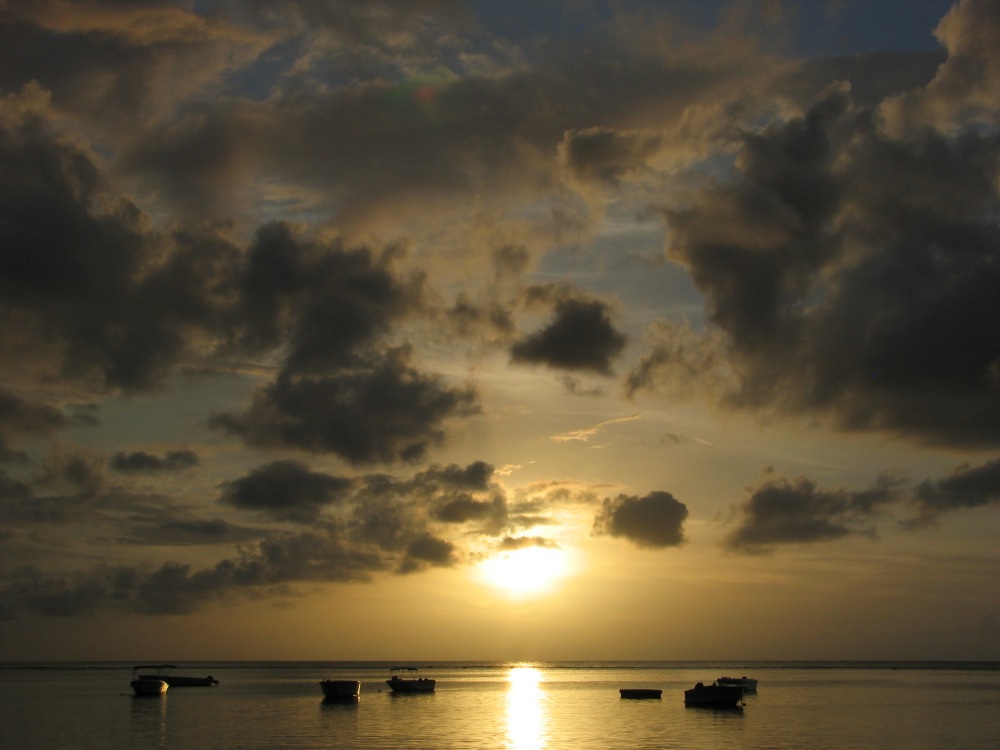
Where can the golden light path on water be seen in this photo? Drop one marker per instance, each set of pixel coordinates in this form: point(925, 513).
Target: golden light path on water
point(525, 710)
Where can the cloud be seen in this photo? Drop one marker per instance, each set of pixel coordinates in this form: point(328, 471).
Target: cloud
point(510, 543)
point(845, 275)
point(140, 462)
point(580, 335)
point(177, 529)
point(585, 434)
point(966, 87)
point(115, 63)
point(327, 302)
point(382, 410)
point(14, 490)
point(102, 300)
point(176, 588)
point(604, 155)
point(285, 490)
point(965, 488)
point(654, 520)
point(21, 417)
point(428, 550)
point(797, 511)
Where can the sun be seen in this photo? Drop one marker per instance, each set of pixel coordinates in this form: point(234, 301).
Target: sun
point(526, 572)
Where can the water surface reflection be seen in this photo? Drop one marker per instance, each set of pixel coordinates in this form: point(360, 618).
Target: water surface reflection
point(525, 709)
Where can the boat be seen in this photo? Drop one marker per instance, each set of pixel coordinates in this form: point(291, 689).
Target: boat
point(163, 672)
point(341, 689)
point(748, 684)
point(714, 696)
point(147, 685)
point(640, 693)
point(409, 684)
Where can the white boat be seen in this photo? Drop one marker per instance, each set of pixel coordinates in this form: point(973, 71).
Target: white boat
point(148, 686)
point(409, 684)
point(341, 689)
point(748, 684)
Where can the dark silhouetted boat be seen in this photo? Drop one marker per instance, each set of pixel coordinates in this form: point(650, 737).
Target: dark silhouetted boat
point(341, 689)
point(409, 684)
point(714, 696)
point(164, 672)
point(640, 693)
point(146, 684)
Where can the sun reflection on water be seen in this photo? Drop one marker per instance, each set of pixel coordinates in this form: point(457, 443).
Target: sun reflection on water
point(525, 709)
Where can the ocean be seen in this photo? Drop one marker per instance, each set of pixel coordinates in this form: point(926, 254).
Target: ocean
point(516, 706)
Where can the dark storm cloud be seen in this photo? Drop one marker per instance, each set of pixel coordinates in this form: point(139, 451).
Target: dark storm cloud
point(13, 489)
point(285, 490)
point(102, 297)
point(140, 462)
point(384, 410)
point(580, 335)
point(655, 520)
point(82, 278)
point(383, 525)
point(326, 301)
point(463, 509)
point(428, 550)
point(179, 529)
point(117, 63)
point(483, 120)
point(392, 512)
point(605, 155)
point(385, 529)
point(873, 76)
point(340, 389)
point(177, 588)
point(848, 275)
point(797, 511)
point(20, 417)
point(966, 487)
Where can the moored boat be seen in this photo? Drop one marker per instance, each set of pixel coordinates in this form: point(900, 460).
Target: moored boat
point(164, 672)
point(748, 684)
point(341, 689)
point(148, 686)
point(640, 693)
point(409, 684)
point(714, 696)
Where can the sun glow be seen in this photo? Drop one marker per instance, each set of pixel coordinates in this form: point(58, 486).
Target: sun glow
point(528, 571)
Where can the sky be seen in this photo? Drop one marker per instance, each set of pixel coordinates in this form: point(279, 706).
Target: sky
point(527, 331)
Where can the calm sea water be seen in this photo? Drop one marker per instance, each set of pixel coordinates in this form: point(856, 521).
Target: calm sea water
point(516, 706)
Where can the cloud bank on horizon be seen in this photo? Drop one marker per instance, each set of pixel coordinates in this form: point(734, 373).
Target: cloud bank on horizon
point(352, 211)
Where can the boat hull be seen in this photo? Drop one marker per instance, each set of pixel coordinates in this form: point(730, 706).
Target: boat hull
point(714, 696)
point(174, 680)
point(341, 689)
point(420, 685)
point(144, 686)
point(639, 693)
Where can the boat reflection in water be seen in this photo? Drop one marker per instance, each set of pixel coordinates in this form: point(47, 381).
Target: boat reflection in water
point(525, 709)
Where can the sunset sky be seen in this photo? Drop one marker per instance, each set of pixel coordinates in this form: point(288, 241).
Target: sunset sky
point(427, 329)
